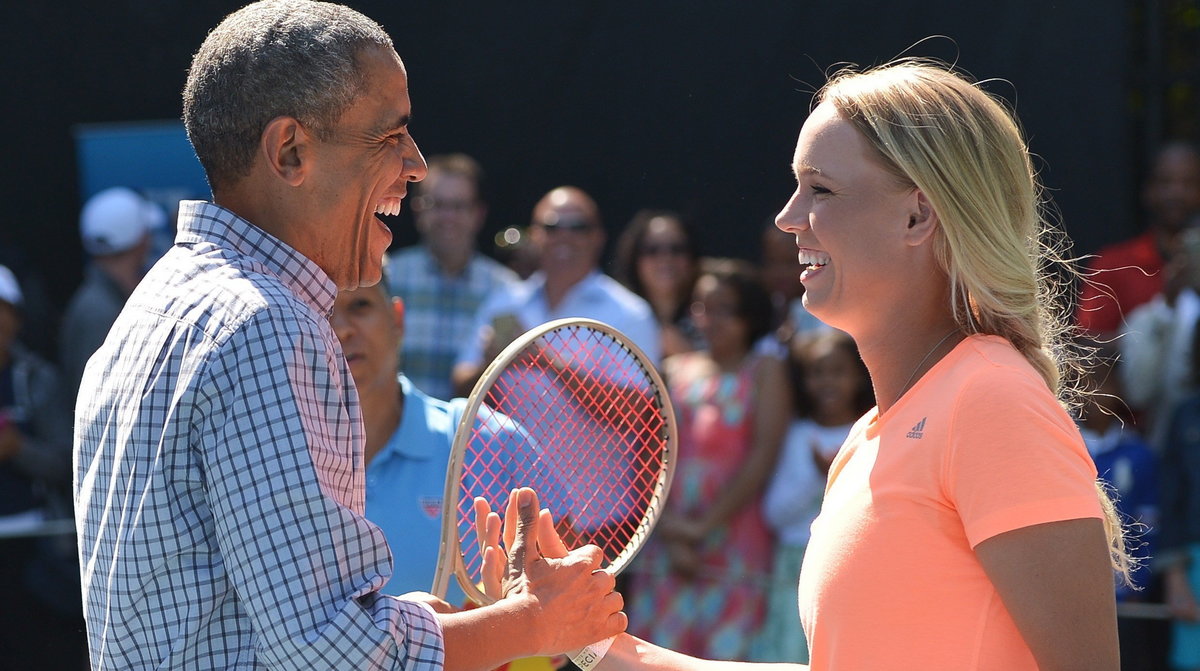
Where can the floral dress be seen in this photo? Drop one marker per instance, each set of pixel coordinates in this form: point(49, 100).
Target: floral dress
point(716, 614)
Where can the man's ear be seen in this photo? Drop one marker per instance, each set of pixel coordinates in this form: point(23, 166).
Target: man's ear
point(284, 145)
point(922, 221)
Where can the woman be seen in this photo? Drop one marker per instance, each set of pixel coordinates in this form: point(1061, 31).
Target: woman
point(961, 527)
point(699, 587)
point(657, 260)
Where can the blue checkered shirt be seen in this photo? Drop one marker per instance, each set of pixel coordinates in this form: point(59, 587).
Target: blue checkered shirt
point(439, 311)
point(219, 484)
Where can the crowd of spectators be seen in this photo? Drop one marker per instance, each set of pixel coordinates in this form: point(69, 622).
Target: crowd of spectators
point(765, 394)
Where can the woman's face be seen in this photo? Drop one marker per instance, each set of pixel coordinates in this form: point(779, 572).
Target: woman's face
point(664, 265)
point(849, 217)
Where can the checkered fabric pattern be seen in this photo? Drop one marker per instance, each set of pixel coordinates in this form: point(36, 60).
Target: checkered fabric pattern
point(439, 312)
point(219, 474)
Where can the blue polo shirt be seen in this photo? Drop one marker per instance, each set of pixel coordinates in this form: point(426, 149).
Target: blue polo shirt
point(405, 483)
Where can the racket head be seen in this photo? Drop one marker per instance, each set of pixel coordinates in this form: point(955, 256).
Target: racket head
point(576, 410)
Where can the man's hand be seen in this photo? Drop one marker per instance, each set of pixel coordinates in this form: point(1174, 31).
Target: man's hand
point(574, 599)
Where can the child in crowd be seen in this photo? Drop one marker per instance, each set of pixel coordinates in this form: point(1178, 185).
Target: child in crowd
point(832, 390)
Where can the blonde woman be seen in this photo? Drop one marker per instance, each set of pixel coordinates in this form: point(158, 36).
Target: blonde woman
point(961, 527)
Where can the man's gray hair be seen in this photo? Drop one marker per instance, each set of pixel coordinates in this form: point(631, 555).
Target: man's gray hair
point(269, 59)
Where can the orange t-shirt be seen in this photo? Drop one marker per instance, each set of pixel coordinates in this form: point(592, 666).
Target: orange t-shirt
point(979, 446)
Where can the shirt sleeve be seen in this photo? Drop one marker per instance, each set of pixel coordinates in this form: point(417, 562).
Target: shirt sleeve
point(278, 459)
point(1016, 458)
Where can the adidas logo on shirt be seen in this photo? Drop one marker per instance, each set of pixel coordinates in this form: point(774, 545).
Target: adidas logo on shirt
point(918, 431)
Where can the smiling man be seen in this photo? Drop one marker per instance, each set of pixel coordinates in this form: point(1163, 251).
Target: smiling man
point(569, 236)
point(219, 485)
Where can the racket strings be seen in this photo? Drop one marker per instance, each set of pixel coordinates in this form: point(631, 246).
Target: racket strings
point(590, 438)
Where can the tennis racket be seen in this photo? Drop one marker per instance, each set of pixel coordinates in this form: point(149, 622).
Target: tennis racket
point(575, 410)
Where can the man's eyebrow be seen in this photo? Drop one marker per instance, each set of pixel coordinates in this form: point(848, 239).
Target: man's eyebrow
point(401, 124)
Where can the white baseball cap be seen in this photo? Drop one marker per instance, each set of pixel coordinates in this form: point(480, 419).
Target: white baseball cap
point(116, 219)
point(10, 291)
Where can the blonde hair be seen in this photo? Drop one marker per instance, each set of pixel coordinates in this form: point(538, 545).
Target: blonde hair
point(934, 130)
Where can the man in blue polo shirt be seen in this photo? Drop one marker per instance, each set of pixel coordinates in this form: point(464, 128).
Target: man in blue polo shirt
point(409, 435)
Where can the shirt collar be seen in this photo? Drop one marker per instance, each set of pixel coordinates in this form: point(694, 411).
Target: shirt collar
point(201, 221)
point(413, 421)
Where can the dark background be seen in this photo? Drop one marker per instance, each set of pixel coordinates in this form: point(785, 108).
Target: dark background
point(692, 105)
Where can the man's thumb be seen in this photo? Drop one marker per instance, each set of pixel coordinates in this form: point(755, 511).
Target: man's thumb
point(524, 549)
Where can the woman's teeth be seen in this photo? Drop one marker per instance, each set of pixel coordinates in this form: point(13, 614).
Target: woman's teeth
point(812, 259)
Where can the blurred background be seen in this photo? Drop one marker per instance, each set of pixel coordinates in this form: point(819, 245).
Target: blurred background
point(692, 105)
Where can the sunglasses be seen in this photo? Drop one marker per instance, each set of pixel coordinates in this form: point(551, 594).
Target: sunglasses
point(665, 249)
point(569, 224)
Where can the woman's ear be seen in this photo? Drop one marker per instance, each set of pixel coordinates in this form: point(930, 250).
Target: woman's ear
point(922, 221)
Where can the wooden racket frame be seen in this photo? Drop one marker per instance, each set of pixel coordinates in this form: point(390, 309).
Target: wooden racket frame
point(450, 557)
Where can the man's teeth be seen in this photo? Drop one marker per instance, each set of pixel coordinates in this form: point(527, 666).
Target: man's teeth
point(812, 258)
point(388, 206)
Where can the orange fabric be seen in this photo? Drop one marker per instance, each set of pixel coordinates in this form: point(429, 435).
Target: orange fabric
point(977, 447)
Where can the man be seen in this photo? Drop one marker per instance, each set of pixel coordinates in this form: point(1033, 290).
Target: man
point(219, 440)
point(443, 280)
point(569, 236)
point(115, 226)
point(1129, 273)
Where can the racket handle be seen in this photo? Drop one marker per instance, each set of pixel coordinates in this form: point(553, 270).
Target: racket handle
point(587, 658)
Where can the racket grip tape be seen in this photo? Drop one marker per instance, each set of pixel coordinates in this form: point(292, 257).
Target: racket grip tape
point(587, 658)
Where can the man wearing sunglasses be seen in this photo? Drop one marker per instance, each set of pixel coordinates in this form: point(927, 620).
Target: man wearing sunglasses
point(567, 231)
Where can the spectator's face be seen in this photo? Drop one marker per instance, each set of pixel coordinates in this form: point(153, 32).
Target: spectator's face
point(361, 170)
point(716, 313)
point(568, 236)
point(1172, 193)
point(370, 326)
point(664, 263)
point(449, 214)
point(10, 324)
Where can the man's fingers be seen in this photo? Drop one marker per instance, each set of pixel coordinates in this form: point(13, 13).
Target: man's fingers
point(510, 519)
point(524, 550)
point(492, 573)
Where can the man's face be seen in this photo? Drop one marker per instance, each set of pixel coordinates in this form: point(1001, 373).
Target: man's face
point(568, 236)
point(370, 326)
point(361, 170)
point(1172, 192)
point(449, 214)
point(10, 324)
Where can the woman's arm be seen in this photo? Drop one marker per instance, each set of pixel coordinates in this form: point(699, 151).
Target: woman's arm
point(628, 653)
point(1057, 583)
